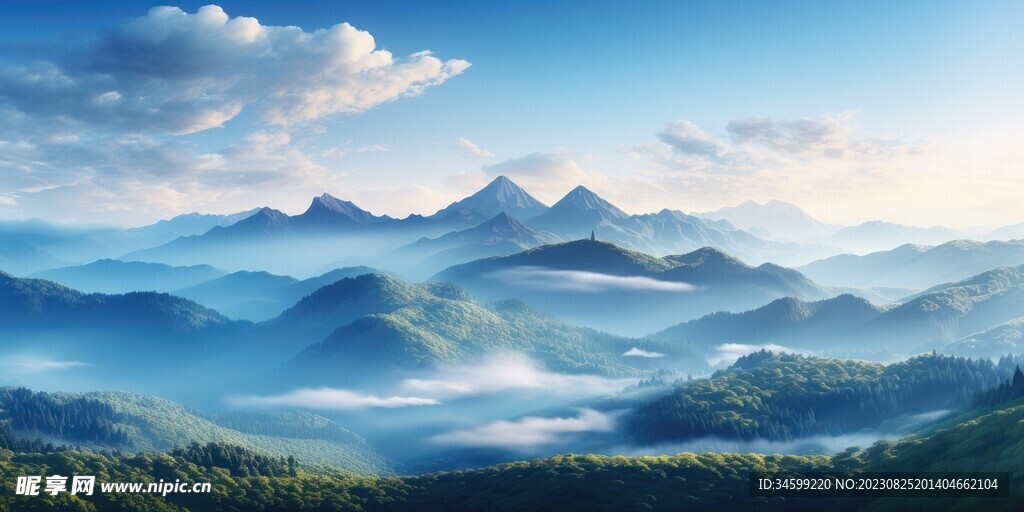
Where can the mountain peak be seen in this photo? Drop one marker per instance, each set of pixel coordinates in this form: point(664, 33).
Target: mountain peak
point(327, 209)
point(578, 214)
point(266, 213)
point(500, 195)
point(581, 190)
point(707, 256)
point(582, 198)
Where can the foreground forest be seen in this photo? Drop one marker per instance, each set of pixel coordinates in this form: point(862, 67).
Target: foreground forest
point(988, 438)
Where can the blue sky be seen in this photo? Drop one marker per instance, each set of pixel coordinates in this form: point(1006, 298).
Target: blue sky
point(853, 110)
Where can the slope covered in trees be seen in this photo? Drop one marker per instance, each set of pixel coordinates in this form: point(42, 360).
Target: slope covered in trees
point(783, 396)
point(134, 422)
point(37, 304)
point(440, 330)
point(848, 326)
point(985, 439)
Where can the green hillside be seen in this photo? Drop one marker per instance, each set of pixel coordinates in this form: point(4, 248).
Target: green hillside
point(136, 422)
point(39, 303)
point(782, 396)
point(989, 439)
point(437, 330)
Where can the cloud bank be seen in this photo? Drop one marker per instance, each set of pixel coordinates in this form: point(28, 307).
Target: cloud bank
point(639, 352)
point(470, 150)
point(728, 353)
point(508, 372)
point(330, 399)
point(528, 432)
point(25, 365)
point(542, 278)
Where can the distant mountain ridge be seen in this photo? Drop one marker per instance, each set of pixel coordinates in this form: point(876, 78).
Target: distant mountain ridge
point(774, 219)
point(916, 266)
point(499, 236)
point(258, 296)
point(877, 235)
point(37, 302)
point(114, 276)
point(847, 325)
point(344, 230)
point(560, 279)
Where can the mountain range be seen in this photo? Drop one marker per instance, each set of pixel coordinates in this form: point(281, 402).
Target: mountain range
point(775, 220)
point(499, 236)
point(852, 326)
point(876, 235)
point(607, 286)
point(32, 245)
point(258, 296)
point(115, 276)
point(499, 219)
point(916, 266)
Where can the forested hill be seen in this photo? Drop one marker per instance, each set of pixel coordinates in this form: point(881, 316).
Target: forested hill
point(133, 422)
point(986, 439)
point(35, 303)
point(784, 396)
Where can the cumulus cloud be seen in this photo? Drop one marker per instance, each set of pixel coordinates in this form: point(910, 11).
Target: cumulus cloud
point(529, 432)
point(92, 127)
point(174, 72)
point(685, 137)
point(470, 150)
point(542, 278)
point(639, 352)
point(329, 399)
point(505, 372)
point(761, 158)
point(728, 353)
point(827, 135)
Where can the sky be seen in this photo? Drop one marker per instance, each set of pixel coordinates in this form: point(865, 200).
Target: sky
point(128, 112)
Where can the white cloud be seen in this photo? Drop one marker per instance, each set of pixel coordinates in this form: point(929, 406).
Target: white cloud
point(88, 129)
point(639, 352)
point(685, 137)
point(348, 148)
point(541, 278)
point(528, 432)
point(505, 372)
point(470, 150)
point(23, 365)
point(174, 72)
point(329, 399)
point(827, 135)
point(728, 353)
point(797, 160)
